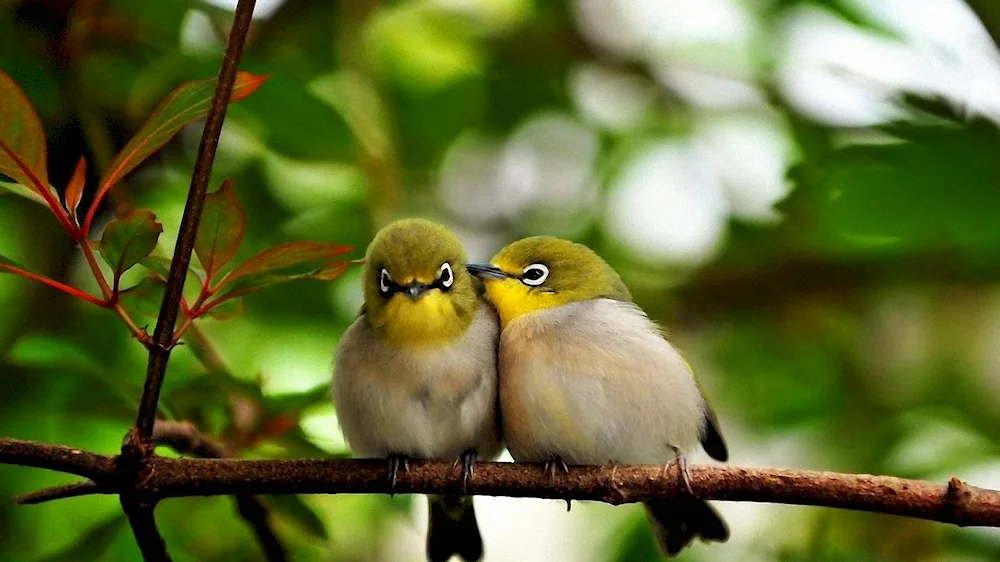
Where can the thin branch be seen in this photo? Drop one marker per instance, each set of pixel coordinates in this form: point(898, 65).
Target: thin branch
point(85, 488)
point(185, 438)
point(159, 353)
point(955, 502)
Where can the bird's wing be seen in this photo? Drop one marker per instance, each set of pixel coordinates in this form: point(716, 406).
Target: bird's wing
point(712, 439)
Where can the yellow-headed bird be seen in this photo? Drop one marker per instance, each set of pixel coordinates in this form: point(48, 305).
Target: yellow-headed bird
point(415, 376)
point(587, 378)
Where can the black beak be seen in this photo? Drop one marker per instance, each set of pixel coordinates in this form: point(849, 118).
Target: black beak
point(415, 290)
point(486, 271)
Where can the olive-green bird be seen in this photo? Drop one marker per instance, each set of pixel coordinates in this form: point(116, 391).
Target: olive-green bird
point(415, 376)
point(587, 378)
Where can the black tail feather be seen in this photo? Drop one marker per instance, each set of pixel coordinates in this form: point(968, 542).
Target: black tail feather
point(677, 522)
point(453, 529)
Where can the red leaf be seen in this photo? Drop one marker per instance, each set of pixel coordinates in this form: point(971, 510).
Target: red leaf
point(188, 102)
point(221, 229)
point(74, 189)
point(286, 262)
point(21, 132)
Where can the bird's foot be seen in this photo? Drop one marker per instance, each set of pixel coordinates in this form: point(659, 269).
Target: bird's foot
point(557, 463)
point(468, 462)
point(682, 464)
point(393, 463)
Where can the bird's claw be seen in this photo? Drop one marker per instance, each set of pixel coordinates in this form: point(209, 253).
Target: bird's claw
point(468, 462)
point(682, 464)
point(556, 462)
point(394, 462)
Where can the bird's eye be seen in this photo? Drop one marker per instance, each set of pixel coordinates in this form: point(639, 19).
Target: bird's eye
point(383, 281)
point(535, 274)
point(446, 277)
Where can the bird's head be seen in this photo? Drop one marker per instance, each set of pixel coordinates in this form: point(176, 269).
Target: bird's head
point(542, 272)
point(416, 290)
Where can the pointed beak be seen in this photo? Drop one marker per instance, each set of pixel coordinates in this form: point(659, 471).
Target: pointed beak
point(486, 271)
point(415, 290)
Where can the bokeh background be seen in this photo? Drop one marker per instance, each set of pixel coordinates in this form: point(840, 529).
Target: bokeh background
point(803, 192)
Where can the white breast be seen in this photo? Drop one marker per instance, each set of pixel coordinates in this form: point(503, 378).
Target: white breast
point(433, 403)
point(594, 382)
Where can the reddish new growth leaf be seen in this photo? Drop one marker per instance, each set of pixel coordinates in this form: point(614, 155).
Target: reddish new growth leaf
point(22, 148)
point(74, 190)
point(21, 133)
point(220, 231)
point(286, 262)
point(126, 241)
point(185, 104)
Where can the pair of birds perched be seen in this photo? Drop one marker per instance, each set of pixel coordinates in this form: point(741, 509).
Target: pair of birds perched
point(580, 375)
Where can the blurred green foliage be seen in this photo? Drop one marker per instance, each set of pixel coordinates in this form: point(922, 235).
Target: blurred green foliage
point(857, 329)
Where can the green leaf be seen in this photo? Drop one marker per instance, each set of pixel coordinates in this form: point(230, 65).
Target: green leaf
point(221, 229)
point(23, 191)
point(159, 266)
point(74, 189)
point(93, 543)
point(299, 512)
point(286, 262)
point(227, 309)
point(21, 133)
point(45, 351)
point(185, 104)
point(935, 190)
point(5, 261)
point(128, 240)
point(145, 298)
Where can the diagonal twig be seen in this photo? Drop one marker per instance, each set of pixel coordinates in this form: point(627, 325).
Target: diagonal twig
point(159, 350)
point(185, 438)
point(76, 489)
point(136, 447)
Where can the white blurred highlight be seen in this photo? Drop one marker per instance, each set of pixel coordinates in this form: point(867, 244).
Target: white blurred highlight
point(751, 155)
point(611, 98)
point(846, 76)
point(262, 8)
point(668, 205)
point(545, 166)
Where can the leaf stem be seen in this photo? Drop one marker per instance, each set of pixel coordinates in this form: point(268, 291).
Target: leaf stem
point(56, 285)
point(111, 296)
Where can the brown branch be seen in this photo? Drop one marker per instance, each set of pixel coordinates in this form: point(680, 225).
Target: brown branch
point(85, 488)
point(56, 457)
point(147, 536)
point(159, 351)
point(956, 502)
point(185, 438)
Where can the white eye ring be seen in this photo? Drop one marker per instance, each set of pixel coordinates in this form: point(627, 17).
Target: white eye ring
point(535, 274)
point(447, 276)
point(384, 280)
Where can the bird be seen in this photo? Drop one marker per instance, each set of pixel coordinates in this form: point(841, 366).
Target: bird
point(415, 375)
point(587, 378)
